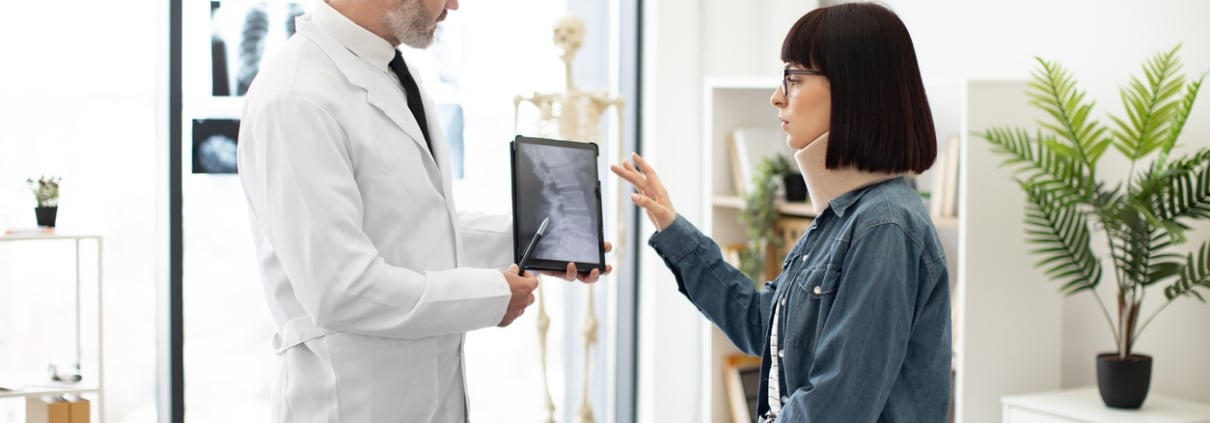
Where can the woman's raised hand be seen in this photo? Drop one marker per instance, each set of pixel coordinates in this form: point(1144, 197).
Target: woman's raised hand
point(649, 192)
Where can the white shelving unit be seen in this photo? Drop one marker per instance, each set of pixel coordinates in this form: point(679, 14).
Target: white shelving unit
point(730, 103)
point(93, 379)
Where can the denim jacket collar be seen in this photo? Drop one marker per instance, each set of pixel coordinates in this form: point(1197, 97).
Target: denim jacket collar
point(841, 204)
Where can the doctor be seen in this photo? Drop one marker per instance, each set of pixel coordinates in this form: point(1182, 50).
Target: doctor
point(370, 273)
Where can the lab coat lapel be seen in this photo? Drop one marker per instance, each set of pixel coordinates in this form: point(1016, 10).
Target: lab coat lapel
point(384, 96)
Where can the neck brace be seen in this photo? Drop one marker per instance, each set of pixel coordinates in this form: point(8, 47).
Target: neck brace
point(823, 184)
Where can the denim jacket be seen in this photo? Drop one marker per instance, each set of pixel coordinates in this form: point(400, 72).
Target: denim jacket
point(864, 329)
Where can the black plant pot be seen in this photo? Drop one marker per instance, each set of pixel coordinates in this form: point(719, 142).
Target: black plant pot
point(46, 216)
point(1123, 383)
point(796, 187)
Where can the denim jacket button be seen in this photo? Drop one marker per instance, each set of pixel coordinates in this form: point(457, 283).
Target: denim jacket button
point(785, 399)
point(818, 289)
point(781, 354)
point(805, 257)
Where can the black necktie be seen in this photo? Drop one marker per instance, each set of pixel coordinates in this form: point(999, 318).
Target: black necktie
point(413, 94)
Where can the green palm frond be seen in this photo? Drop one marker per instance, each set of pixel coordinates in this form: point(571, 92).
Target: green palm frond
point(1038, 162)
point(1131, 254)
point(1182, 113)
point(1062, 233)
point(1181, 190)
point(1193, 274)
point(1054, 91)
point(1164, 264)
point(1150, 107)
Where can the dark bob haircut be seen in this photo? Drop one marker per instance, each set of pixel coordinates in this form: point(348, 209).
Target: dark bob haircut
point(881, 121)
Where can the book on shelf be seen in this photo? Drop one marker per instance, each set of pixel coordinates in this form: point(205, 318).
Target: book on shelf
point(749, 146)
point(943, 195)
point(937, 185)
point(949, 201)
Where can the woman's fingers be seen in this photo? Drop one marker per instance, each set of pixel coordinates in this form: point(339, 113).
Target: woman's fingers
point(627, 173)
point(653, 179)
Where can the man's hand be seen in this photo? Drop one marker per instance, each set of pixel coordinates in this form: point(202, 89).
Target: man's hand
point(571, 272)
point(522, 288)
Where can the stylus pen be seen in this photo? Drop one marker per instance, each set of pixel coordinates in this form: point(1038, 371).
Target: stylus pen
point(529, 251)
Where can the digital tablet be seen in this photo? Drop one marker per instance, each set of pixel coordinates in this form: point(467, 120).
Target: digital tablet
point(557, 179)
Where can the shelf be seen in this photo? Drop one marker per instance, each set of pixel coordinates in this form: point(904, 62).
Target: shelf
point(41, 390)
point(36, 236)
point(15, 389)
point(802, 209)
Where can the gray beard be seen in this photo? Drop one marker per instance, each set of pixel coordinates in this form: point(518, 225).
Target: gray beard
point(409, 26)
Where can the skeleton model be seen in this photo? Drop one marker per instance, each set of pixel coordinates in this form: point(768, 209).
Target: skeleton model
point(572, 115)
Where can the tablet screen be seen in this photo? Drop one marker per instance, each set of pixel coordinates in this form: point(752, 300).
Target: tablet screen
point(557, 179)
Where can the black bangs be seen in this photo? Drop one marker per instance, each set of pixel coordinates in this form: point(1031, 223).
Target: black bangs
point(801, 43)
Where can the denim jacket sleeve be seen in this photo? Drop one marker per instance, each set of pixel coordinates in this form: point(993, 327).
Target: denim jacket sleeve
point(864, 336)
point(721, 292)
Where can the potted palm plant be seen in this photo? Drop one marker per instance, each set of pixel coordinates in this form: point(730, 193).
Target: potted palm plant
point(46, 192)
point(1142, 216)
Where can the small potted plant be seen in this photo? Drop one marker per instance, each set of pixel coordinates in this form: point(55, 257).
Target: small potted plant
point(759, 215)
point(46, 191)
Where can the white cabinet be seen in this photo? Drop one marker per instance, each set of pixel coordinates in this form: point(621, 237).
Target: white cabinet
point(1084, 405)
point(88, 357)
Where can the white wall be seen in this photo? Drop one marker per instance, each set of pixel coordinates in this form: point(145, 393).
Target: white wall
point(1009, 336)
point(77, 101)
point(1100, 42)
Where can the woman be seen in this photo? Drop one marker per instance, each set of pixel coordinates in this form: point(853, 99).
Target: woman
point(856, 328)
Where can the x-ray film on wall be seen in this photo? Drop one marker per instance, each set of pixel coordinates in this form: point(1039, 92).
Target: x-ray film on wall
point(214, 145)
point(242, 33)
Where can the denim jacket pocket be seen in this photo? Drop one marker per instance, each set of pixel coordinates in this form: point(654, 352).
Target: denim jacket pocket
point(809, 299)
point(819, 281)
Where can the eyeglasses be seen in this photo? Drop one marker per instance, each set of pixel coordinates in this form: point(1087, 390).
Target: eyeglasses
point(785, 77)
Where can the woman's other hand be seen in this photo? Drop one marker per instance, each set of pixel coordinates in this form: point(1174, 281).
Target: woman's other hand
point(649, 192)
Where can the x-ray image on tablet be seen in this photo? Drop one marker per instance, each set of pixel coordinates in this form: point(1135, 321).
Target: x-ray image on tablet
point(557, 179)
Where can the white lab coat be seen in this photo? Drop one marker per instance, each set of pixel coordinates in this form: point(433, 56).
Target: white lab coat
point(365, 262)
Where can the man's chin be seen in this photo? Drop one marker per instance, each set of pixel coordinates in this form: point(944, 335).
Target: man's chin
point(418, 43)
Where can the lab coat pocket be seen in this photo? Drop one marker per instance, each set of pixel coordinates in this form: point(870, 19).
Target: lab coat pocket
point(307, 382)
point(385, 379)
